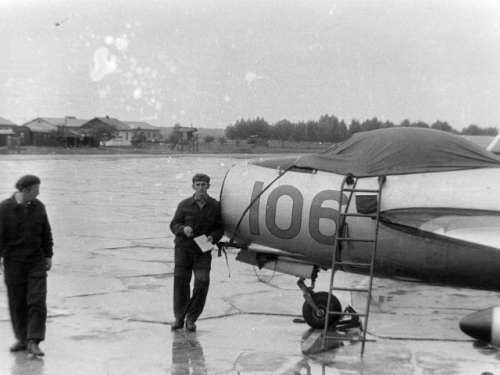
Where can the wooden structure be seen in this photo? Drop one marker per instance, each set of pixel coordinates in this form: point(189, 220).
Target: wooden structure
point(5, 135)
point(186, 136)
point(51, 131)
point(122, 133)
point(151, 133)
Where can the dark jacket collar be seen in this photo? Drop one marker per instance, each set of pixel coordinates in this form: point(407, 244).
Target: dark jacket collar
point(13, 202)
point(209, 199)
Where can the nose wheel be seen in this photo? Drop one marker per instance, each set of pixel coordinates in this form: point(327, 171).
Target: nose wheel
point(316, 317)
point(315, 308)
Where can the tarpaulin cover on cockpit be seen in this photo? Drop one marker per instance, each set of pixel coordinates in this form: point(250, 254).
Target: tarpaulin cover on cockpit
point(400, 151)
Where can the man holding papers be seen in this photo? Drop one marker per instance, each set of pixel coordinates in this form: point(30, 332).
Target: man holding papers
point(197, 226)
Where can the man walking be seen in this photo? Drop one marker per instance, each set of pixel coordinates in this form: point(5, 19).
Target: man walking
point(195, 217)
point(25, 257)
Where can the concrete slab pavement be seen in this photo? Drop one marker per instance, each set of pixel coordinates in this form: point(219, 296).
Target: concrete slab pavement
point(110, 290)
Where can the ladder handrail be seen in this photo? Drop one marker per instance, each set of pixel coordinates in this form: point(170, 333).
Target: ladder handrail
point(340, 237)
point(336, 244)
point(381, 181)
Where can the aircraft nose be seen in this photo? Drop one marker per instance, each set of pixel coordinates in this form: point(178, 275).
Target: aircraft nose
point(483, 325)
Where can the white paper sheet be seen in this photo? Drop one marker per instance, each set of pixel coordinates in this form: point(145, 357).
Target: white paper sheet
point(203, 243)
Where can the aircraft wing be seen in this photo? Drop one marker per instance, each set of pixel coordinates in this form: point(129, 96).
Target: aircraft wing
point(483, 230)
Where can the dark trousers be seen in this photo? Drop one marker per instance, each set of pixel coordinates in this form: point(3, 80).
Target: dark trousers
point(27, 293)
point(186, 264)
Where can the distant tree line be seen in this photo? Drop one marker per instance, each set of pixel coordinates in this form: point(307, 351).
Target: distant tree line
point(329, 129)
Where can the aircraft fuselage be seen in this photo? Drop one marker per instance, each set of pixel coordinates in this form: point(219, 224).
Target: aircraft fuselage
point(428, 221)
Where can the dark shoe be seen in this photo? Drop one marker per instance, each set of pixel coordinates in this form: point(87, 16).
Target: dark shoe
point(190, 326)
point(178, 324)
point(34, 349)
point(18, 346)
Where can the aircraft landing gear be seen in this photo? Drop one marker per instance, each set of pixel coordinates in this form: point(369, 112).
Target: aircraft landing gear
point(315, 306)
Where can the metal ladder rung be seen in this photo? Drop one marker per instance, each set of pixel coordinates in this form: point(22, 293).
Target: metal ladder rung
point(360, 290)
point(361, 190)
point(354, 264)
point(347, 239)
point(346, 313)
point(348, 337)
point(343, 338)
point(355, 215)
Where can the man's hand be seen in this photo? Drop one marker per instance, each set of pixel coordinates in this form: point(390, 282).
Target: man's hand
point(48, 263)
point(210, 239)
point(188, 231)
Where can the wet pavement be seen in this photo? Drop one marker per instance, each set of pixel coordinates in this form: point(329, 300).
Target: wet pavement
point(110, 290)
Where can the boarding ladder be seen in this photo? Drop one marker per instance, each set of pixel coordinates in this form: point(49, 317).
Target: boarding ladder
point(349, 189)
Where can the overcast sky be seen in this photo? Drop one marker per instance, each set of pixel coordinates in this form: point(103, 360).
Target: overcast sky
point(210, 63)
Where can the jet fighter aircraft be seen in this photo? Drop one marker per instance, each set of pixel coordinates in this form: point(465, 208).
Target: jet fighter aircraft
point(436, 220)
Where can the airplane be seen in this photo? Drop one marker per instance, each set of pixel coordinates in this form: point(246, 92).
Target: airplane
point(494, 146)
point(439, 214)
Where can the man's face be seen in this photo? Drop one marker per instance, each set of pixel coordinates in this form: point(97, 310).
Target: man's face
point(31, 193)
point(201, 187)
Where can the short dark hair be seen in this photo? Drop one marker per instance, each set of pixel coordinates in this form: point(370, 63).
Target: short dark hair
point(201, 177)
point(27, 181)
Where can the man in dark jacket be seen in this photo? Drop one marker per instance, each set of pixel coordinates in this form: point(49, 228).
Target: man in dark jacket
point(196, 224)
point(25, 257)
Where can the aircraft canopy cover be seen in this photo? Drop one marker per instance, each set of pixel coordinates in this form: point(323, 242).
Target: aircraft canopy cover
point(400, 151)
